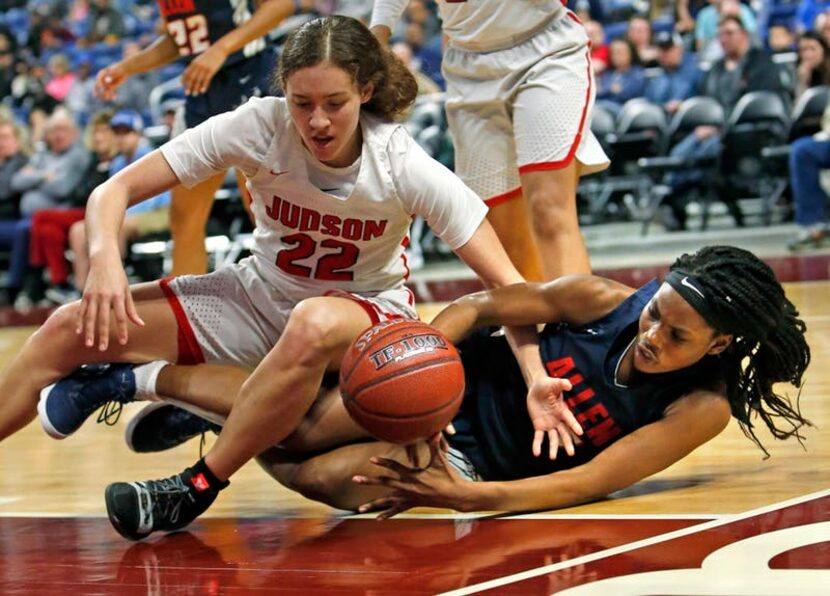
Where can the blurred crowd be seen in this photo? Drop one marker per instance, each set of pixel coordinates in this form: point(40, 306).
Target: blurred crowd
point(58, 139)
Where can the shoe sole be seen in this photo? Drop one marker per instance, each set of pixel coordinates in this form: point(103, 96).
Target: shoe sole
point(115, 521)
point(44, 419)
point(130, 430)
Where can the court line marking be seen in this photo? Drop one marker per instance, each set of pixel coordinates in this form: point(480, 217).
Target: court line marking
point(6, 500)
point(531, 573)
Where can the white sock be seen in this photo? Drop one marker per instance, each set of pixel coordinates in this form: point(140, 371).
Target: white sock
point(145, 380)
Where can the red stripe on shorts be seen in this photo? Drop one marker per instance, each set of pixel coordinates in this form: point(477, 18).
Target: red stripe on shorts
point(503, 198)
point(405, 244)
point(562, 163)
point(189, 350)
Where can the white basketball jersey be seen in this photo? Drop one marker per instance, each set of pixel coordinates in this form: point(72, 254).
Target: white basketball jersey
point(308, 241)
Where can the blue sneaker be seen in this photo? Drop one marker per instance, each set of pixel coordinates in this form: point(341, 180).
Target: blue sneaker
point(161, 426)
point(65, 405)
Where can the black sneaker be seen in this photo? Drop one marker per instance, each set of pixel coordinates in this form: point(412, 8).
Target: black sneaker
point(161, 426)
point(65, 405)
point(136, 509)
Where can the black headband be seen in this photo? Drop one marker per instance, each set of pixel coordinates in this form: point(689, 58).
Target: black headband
point(692, 292)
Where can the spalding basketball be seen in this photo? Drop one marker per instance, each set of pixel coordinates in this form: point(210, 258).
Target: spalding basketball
point(402, 381)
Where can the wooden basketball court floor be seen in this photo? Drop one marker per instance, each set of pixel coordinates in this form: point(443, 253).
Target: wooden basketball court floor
point(722, 521)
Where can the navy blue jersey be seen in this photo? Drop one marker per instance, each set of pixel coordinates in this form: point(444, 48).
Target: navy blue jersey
point(493, 426)
point(196, 24)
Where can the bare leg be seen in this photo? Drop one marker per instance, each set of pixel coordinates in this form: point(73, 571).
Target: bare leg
point(328, 477)
point(55, 350)
point(551, 196)
point(511, 222)
point(274, 400)
point(189, 212)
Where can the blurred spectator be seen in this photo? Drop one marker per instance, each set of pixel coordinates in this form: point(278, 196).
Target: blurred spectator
point(134, 92)
point(813, 66)
point(742, 69)
point(823, 26)
point(679, 73)
point(61, 77)
point(623, 79)
point(599, 49)
point(50, 227)
point(639, 34)
point(808, 157)
point(148, 217)
point(685, 13)
point(7, 63)
point(12, 158)
point(418, 13)
point(780, 38)
point(425, 84)
point(706, 27)
point(54, 172)
point(808, 11)
point(106, 23)
point(81, 98)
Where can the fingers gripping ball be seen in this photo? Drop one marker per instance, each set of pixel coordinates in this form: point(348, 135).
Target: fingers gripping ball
point(402, 381)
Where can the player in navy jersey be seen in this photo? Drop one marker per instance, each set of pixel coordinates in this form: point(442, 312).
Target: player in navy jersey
point(228, 61)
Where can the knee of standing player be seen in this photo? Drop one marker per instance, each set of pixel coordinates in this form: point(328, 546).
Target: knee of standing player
point(315, 328)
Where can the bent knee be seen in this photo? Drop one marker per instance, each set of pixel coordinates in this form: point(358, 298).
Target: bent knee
point(316, 324)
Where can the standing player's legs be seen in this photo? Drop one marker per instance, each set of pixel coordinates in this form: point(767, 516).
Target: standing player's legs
point(55, 350)
point(554, 145)
point(511, 221)
point(189, 212)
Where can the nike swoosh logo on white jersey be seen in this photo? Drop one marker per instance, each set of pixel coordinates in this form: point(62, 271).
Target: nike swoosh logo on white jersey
point(685, 282)
point(275, 174)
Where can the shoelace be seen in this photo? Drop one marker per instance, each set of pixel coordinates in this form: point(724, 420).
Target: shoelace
point(169, 494)
point(110, 413)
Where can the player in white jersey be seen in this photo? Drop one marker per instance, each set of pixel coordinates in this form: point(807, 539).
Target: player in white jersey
point(334, 184)
point(519, 98)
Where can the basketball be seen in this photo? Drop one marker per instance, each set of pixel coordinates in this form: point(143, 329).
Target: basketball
point(402, 381)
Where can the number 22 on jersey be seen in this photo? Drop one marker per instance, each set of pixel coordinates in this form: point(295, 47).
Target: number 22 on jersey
point(190, 34)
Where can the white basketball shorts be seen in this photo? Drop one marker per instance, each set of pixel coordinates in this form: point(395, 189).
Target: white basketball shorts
point(522, 109)
point(233, 316)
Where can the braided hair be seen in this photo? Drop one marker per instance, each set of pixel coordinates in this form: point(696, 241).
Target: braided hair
point(768, 345)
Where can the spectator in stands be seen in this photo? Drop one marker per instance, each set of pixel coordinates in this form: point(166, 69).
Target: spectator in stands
point(50, 227)
point(599, 49)
point(685, 14)
point(807, 13)
point(780, 38)
point(813, 65)
point(61, 77)
point(81, 99)
point(106, 23)
point(639, 34)
point(148, 217)
point(679, 73)
point(7, 64)
point(46, 182)
point(823, 25)
point(134, 93)
point(707, 38)
point(742, 69)
point(623, 79)
point(13, 156)
point(425, 84)
point(808, 157)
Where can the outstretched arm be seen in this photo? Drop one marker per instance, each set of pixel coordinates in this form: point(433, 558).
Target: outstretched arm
point(162, 51)
point(385, 15)
point(688, 423)
point(270, 13)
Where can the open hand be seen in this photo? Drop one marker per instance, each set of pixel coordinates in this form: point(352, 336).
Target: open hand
point(106, 290)
point(436, 485)
point(551, 416)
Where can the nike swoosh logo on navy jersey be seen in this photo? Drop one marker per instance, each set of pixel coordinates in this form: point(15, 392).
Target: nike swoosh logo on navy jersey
point(329, 189)
point(685, 282)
